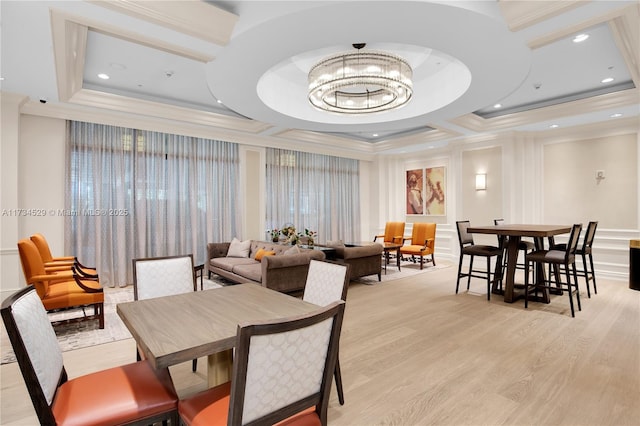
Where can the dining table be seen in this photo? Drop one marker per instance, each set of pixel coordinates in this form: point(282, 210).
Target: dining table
point(173, 329)
point(512, 291)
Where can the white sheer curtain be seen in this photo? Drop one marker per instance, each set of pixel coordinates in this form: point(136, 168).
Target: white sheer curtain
point(134, 193)
point(313, 191)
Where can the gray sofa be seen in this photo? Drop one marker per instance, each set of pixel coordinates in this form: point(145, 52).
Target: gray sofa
point(284, 271)
point(363, 259)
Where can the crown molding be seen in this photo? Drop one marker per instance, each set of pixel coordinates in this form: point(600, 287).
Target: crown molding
point(582, 106)
point(520, 14)
point(198, 19)
point(120, 103)
point(435, 135)
point(626, 34)
point(630, 12)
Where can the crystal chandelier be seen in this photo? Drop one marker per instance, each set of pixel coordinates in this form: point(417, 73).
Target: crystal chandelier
point(360, 82)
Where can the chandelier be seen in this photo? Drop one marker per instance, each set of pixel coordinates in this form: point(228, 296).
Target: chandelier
point(360, 82)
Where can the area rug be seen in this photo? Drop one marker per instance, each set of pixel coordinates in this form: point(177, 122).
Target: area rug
point(407, 269)
point(86, 333)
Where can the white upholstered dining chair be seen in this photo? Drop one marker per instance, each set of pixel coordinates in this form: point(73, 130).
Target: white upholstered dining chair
point(164, 276)
point(326, 283)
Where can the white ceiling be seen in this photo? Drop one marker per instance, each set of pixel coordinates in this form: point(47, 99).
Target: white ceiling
point(520, 54)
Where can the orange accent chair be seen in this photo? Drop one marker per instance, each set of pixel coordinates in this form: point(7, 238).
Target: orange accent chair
point(60, 263)
point(276, 384)
point(393, 233)
point(423, 242)
point(128, 394)
point(60, 290)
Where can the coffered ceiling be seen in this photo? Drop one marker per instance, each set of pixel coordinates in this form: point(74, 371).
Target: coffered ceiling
point(241, 66)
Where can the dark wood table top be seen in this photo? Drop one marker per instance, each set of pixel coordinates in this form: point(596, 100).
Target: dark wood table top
point(522, 230)
point(175, 329)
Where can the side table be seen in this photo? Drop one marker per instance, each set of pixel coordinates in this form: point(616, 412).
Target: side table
point(199, 271)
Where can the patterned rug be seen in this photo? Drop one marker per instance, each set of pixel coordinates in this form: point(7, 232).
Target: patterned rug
point(86, 333)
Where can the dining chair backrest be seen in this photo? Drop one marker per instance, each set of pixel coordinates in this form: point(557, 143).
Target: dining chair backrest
point(589, 236)
point(36, 348)
point(464, 237)
point(572, 243)
point(284, 367)
point(498, 222)
point(163, 276)
point(326, 282)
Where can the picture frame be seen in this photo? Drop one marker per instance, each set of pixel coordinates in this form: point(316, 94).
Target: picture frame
point(435, 191)
point(414, 185)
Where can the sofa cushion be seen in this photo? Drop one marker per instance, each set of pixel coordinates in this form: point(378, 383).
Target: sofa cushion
point(251, 271)
point(335, 244)
point(293, 250)
point(227, 263)
point(263, 252)
point(239, 248)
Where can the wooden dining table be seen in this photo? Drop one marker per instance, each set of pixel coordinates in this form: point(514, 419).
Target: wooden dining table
point(515, 232)
point(174, 329)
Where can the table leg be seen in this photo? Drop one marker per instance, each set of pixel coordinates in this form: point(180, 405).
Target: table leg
point(509, 276)
point(219, 367)
point(398, 258)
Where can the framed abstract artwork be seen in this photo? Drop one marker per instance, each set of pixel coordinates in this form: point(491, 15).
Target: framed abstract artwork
point(415, 189)
point(435, 190)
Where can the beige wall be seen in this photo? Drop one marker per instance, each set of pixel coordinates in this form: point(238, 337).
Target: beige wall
point(572, 194)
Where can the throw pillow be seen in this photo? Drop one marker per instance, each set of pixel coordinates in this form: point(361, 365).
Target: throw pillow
point(335, 244)
point(293, 250)
point(239, 248)
point(262, 252)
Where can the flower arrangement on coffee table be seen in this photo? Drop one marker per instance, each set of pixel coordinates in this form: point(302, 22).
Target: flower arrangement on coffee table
point(289, 231)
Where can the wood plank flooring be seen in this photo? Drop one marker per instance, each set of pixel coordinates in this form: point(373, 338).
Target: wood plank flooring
point(415, 353)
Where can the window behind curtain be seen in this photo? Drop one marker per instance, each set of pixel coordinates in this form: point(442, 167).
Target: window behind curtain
point(134, 193)
point(313, 191)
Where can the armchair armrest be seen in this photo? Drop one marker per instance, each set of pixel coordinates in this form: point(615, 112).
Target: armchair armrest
point(52, 278)
point(428, 243)
point(378, 236)
point(87, 288)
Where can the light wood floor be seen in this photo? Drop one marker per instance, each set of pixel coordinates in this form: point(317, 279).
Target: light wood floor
point(414, 353)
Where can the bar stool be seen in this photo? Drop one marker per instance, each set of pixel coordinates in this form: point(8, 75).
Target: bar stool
point(467, 247)
point(587, 271)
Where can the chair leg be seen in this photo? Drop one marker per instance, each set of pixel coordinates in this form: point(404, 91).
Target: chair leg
point(575, 278)
point(338, 377)
point(489, 277)
point(573, 314)
point(459, 273)
point(593, 274)
point(421, 261)
point(586, 273)
point(526, 285)
point(194, 365)
point(433, 260)
point(470, 272)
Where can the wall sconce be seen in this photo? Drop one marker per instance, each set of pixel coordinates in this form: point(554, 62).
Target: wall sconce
point(481, 182)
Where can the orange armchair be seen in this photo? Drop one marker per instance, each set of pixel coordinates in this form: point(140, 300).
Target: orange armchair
point(60, 263)
point(423, 242)
point(393, 233)
point(60, 290)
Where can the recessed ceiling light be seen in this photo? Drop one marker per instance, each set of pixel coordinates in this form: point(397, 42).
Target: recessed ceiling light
point(616, 115)
point(580, 38)
point(375, 135)
point(219, 101)
point(607, 80)
point(103, 76)
point(554, 126)
point(497, 106)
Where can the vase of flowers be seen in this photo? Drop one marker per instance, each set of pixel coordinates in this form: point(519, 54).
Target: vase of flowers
point(275, 234)
point(311, 235)
point(289, 232)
